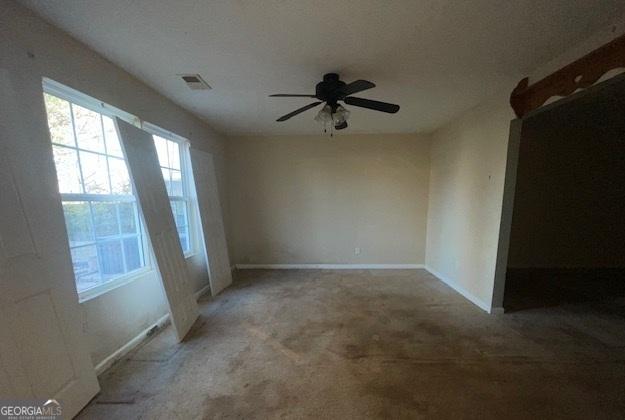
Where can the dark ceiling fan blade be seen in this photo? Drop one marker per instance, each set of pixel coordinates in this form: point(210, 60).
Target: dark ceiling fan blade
point(288, 95)
point(298, 111)
point(355, 87)
point(371, 104)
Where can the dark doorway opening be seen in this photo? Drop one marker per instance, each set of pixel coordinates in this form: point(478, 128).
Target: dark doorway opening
point(567, 238)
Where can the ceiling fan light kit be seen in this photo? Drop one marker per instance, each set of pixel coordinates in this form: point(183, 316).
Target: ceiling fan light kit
point(337, 118)
point(332, 90)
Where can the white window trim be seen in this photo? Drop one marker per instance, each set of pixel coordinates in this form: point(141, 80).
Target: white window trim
point(64, 92)
point(188, 188)
point(86, 101)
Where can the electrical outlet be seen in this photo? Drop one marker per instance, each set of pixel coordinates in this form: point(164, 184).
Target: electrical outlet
point(356, 251)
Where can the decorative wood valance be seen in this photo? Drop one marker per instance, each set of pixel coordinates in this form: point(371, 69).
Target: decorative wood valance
point(579, 74)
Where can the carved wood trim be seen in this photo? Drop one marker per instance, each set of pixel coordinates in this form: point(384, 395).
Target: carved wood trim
point(582, 73)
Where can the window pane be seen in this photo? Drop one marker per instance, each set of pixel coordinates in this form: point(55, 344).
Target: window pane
point(78, 223)
point(167, 179)
point(176, 183)
point(132, 252)
point(111, 259)
point(113, 147)
point(105, 219)
point(59, 120)
point(88, 129)
point(161, 150)
point(183, 235)
point(179, 210)
point(67, 169)
point(95, 174)
point(120, 180)
point(173, 151)
point(86, 267)
point(105, 235)
point(128, 217)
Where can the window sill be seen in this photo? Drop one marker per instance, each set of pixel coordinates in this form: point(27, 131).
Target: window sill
point(97, 291)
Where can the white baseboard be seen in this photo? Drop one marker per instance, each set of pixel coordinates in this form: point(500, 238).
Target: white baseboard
point(138, 339)
point(471, 297)
point(474, 299)
point(126, 348)
point(330, 266)
point(202, 292)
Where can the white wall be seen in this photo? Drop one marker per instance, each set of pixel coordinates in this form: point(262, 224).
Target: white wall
point(31, 49)
point(468, 162)
point(314, 199)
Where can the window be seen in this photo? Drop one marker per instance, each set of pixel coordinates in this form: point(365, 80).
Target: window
point(106, 237)
point(172, 159)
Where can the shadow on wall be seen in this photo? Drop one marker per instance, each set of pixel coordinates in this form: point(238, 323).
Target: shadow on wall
point(567, 241)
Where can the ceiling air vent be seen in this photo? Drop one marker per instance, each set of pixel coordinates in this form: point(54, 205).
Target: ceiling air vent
point(194, 81)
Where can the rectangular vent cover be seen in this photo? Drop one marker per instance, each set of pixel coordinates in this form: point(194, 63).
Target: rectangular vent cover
point(194, 81)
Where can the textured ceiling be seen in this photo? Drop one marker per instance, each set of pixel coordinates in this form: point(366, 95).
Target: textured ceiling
point(435, 58)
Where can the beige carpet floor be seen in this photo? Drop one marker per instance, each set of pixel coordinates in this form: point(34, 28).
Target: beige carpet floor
point(361, 344)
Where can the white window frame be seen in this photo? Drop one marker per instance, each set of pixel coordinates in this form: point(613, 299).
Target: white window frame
point(187, 187)
point(72, 95)
point(78, 98)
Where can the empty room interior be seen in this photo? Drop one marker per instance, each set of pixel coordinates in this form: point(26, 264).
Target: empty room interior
point(312, 209)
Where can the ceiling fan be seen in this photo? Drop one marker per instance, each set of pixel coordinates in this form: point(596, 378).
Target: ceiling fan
point(332, 90)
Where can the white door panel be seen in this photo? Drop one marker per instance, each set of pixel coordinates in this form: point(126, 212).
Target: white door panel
point(150, 190)
point(42, 349)
point(214, 235)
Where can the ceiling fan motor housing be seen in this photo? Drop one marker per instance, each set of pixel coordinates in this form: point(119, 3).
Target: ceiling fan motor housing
point(329, 90)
